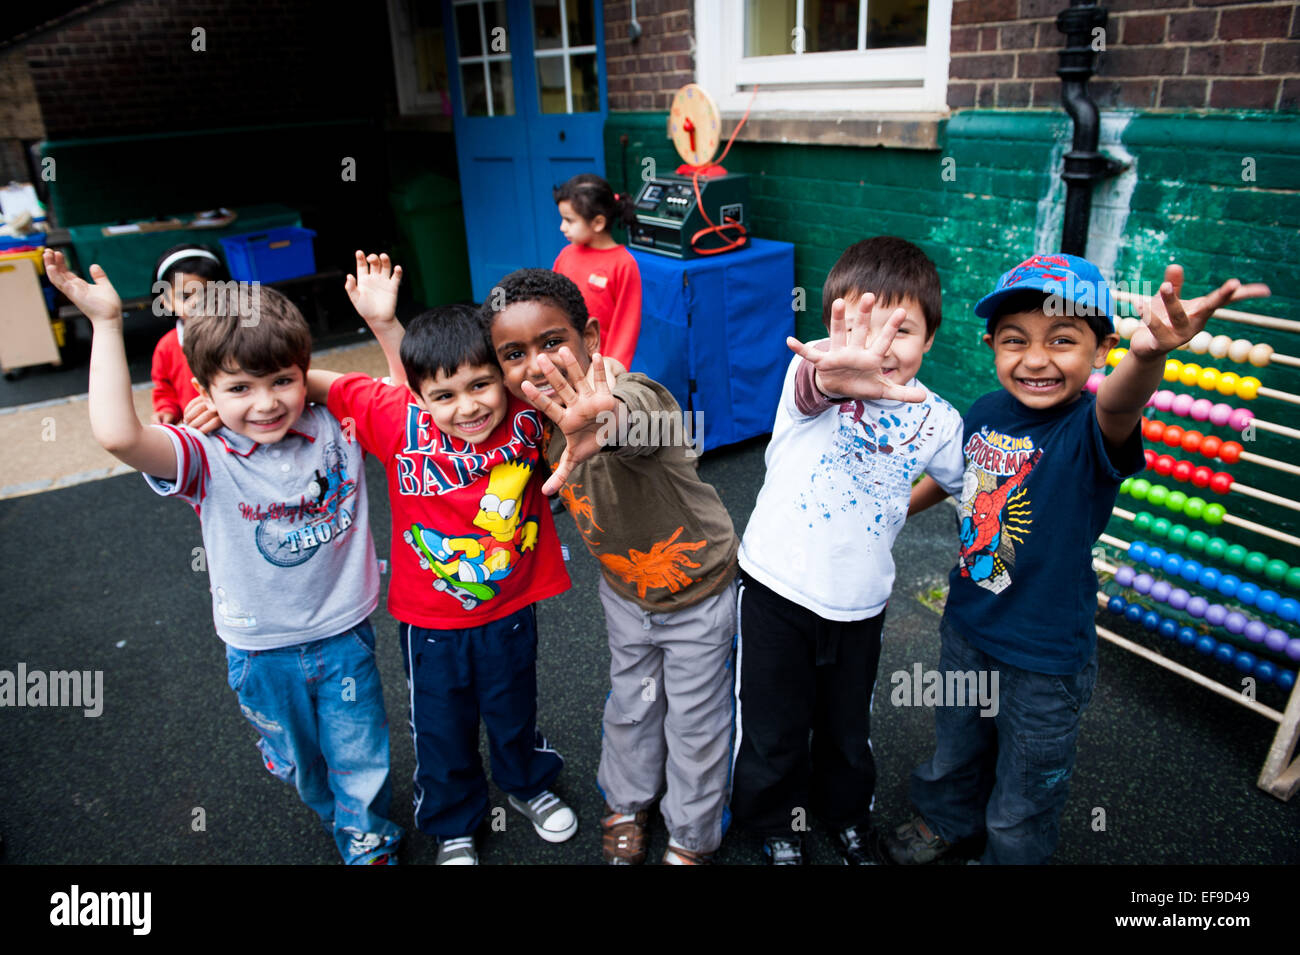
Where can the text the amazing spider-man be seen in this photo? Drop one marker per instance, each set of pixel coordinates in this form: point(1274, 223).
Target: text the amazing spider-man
point(998, 453)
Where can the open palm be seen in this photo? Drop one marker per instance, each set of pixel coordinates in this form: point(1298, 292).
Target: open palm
point(99, 301)
point(1169, 321)
point(373, 290)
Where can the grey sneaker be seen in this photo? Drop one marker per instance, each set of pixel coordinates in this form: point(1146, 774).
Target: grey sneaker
point(553, 820)
point(458, 851)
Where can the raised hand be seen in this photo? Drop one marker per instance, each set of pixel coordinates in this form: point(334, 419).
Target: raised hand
point(98, 302)
point(1169, 321)
point(373, 290)
point(584, 410)
point(850, 368)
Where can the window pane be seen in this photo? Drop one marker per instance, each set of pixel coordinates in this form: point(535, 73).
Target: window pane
point(831, 24)
point(503, 88)
point(550, 83)
point(546, 24)
point(467, 33)
point(896, 23)
point(582, 24)
point(494, 18)
point(430, 51)
point(472, 88)
point(769, 26)
point(586, 87)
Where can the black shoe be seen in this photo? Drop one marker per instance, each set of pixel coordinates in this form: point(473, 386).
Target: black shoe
point(860, 845)
point(777, 850)
point(915, 843)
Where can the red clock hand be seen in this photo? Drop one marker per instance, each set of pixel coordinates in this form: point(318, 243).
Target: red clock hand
point(690, 131)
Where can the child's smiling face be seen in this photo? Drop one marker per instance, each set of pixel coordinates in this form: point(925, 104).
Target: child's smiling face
point(524, 331)
point(467, 405)
point(261, 407)
point(1045, 360)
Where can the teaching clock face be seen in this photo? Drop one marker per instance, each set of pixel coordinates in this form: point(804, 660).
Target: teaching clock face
point(694, 125)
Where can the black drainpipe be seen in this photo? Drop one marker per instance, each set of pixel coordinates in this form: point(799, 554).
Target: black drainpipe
point(1084, 165)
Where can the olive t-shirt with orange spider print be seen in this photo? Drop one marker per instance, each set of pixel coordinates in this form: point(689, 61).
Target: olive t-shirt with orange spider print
point(663, 537)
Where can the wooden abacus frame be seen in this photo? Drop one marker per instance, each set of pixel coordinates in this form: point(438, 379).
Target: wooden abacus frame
point(1280, 775)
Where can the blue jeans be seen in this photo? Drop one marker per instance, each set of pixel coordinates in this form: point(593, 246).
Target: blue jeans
point(319, 708)
point(1006, 775)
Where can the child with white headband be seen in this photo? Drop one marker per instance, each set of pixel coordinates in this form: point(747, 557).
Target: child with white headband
point(179, 275)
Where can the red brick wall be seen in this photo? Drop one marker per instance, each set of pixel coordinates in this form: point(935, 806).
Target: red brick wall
point(644, 75)
point(1159, 54)
point(130, 67)
point(20, 117)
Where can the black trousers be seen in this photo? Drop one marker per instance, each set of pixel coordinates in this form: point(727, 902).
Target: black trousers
point(802, 674)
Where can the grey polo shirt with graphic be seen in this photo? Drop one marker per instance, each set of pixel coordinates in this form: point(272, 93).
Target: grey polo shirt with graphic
point(286, 529)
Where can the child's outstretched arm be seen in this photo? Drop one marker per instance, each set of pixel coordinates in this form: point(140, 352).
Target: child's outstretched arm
point(1168, 322)
point(586, 411)
point(319, 383)
point(926, 493)
point(112, 412)
point(373, 291)
point(850, 368)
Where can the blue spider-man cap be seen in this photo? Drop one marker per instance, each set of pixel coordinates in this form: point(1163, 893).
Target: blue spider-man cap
point(1072, 278)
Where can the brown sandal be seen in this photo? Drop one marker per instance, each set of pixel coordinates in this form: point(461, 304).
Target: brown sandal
point(624, 836)
point(679, 855)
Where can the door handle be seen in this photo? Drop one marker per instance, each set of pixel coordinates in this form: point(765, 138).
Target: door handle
point(561, 135)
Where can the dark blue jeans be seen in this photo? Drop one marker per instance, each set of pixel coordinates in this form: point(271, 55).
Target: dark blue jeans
point(455, 677)
point(1005, 775)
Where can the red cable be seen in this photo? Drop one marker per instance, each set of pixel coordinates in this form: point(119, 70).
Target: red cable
point(699, 201)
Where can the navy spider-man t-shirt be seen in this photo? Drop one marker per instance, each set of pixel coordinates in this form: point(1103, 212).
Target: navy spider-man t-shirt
point(1037, 491)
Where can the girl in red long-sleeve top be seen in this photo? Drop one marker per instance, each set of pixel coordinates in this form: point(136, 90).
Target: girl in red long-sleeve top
point(605, 271)
point(179, 276)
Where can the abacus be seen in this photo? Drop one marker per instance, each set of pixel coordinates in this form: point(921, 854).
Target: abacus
point(1182, 581)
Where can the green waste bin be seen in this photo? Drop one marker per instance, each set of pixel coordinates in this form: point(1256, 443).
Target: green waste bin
point(431, 227)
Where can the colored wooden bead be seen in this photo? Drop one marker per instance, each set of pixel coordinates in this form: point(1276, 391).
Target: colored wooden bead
point(1261, 355)
point(1239, 350)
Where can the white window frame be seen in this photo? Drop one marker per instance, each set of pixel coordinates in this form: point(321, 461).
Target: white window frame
point(890, 80)
point(411, 101)
point(482, 59)
point(563, 50)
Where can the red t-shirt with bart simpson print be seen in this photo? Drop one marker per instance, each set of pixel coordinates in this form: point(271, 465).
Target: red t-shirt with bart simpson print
point(473, 540)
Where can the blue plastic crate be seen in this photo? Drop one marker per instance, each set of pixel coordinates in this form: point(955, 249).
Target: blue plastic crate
point(283, 253)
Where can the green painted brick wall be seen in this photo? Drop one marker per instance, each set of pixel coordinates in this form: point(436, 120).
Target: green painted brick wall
point(1187, 196)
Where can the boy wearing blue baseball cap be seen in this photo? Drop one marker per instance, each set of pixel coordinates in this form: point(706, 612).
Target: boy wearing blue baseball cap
point(1043, 463)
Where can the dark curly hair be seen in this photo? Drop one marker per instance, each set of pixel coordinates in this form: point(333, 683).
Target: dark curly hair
point(537, 285)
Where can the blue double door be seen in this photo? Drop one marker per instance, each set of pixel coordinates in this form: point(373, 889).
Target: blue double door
point(528, 91)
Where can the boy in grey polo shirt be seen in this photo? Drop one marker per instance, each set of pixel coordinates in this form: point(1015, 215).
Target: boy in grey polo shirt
point(280, 494)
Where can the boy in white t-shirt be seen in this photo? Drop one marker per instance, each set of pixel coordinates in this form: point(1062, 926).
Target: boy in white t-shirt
point(853, 430)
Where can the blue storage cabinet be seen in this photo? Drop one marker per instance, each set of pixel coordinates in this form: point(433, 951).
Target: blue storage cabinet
point(713, 332)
